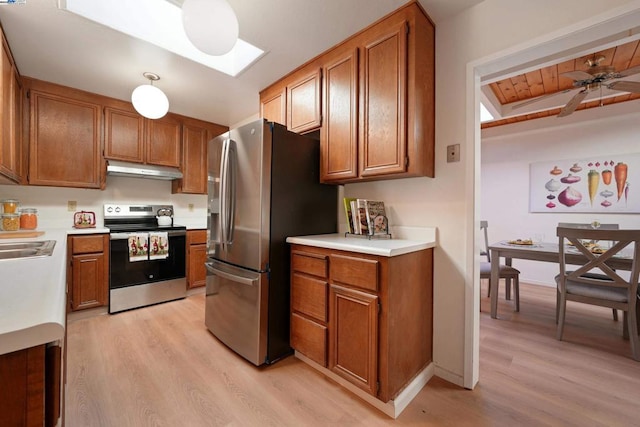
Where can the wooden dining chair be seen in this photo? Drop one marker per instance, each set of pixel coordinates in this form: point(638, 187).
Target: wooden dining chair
point(506, 272)
point(594, 282)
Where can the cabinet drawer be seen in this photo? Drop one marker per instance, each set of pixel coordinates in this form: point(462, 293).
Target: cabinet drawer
point(309, 263)
point(359, 272)
point(309, 338)
point(309, 296)
point(197, 237)
point(87, 244)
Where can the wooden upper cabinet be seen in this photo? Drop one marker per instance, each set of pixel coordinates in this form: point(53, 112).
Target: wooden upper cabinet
point(123, 135)
point(383, 138)
point(273, 104)
point(132, 138)
point(303, 108)
point(339, 133)
point(11, 156)
point(65, 140)
point(163, 141)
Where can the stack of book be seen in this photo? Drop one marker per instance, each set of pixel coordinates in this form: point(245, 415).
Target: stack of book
point(365, 216)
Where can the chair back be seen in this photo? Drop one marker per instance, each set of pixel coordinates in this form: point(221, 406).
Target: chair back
point(589, 226)
point(578, 237)
point(483, 226)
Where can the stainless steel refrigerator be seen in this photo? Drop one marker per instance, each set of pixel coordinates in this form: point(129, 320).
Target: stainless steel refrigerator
point(263, 186)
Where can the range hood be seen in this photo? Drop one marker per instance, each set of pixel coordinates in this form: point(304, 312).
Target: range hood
point(136, 170)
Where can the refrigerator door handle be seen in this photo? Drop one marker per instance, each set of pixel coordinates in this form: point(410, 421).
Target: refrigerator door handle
point(232, 166)
point(224, 166)
point(229, 276)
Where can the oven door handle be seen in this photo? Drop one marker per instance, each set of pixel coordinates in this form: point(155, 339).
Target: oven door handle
point(125, 236)
point(229, 276)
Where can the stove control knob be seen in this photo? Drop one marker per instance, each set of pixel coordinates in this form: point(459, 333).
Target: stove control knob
point(109, 209)
point(117, 209)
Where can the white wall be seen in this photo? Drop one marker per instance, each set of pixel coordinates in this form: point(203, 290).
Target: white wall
point(507, 153)
point(447, 201)
point(51, 202)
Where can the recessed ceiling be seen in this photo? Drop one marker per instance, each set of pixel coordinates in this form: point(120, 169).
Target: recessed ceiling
point(511, 100)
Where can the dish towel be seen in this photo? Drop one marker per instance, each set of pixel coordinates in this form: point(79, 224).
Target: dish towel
point(138, 247)
point(158, 245)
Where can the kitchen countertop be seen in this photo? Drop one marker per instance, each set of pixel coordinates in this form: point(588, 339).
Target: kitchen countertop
point(423, 239)
point(33, 294)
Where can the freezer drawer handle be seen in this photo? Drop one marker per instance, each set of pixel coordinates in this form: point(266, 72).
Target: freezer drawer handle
point(232, 277)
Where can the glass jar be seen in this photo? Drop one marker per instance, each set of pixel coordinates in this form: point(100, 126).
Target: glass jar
point(10, 221)
point(10, 206)
point(28, 218)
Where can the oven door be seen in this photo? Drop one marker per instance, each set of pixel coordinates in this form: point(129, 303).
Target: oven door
point(123, 272)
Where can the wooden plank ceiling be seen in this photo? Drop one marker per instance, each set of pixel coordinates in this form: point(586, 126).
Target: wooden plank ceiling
point(548, 80)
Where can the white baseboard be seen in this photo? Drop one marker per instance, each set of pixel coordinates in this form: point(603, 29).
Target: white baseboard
point(449, 376)
point(392, 408)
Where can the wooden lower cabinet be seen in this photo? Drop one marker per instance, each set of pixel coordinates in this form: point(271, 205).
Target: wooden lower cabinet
point(30, 386)
point(366, 318)
point(196, 257)
point(89, 271)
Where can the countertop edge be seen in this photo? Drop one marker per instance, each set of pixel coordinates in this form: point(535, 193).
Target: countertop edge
point(380, 247)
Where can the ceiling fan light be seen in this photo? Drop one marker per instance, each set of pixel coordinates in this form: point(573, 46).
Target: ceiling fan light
point(211, 25)
point(150, 101)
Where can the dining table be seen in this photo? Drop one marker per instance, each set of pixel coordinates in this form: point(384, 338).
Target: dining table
point(542, 251)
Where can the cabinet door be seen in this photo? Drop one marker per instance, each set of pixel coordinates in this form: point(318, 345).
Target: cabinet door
point(303, 108)
point(194, 161)
point(10, 114)
point(64, 142)
point(163, 141)
point(353, 337)
point(123, 135)
point(88, 283)
point(273, 105)
point(383, 135)
point(339, 133)
point(197, 273)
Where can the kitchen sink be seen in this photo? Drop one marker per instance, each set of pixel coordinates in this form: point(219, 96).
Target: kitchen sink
point(17, 250)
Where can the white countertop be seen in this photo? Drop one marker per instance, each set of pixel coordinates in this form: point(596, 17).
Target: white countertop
point(33, 294)
point(424, 238)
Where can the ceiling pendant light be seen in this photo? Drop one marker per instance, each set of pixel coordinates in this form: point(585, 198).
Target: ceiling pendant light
point(211, 25)
point(149, 100)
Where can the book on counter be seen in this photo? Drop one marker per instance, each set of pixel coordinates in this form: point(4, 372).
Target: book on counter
point(365, 216)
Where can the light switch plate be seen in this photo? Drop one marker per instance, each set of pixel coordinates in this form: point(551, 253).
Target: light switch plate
point(72, 206)
point(453, 153)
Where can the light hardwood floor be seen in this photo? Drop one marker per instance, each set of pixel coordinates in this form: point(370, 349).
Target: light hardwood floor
point(159, 366)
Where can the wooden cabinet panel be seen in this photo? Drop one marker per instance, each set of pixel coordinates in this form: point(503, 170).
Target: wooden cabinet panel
point(384, 95)
point(273, 105)
point(339, 133)
point(123, 135)
point(309, 296)
point(196, 257)
point(309, 263)
point(303, 108)
point(89, 271)
point(22, 379)
point(10, 153)
point(163, 144)
point(359, 272)
point(353, 346)
point(309, 338)
point(64, 142)
point(194, 161)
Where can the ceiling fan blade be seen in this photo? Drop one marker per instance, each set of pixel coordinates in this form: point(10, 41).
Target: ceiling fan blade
point(577, 75)
point(573, 103)
point(625, 86)
point(629, 71)
point(540, 98)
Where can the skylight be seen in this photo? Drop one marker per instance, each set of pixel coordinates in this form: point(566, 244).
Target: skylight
point(485, 115)
point(160, 22)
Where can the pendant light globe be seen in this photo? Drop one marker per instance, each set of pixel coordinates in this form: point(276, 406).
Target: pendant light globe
point(148, 100)
point(211, 25)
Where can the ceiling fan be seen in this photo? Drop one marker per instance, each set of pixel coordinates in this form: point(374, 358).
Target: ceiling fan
point(593, 78)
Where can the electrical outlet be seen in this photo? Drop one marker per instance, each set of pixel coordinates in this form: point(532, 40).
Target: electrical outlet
point(72, 206)
point(190, 207)
point(453, 153)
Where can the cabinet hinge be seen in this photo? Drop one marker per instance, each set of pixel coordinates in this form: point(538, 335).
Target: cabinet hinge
point(28, 94)
point(377, 387)
point(406, 162)
point(379, 309)
point(406, 27)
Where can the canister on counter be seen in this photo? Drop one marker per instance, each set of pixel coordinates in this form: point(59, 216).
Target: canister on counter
point(28, 218)
point(10, 222)
point(9, 205)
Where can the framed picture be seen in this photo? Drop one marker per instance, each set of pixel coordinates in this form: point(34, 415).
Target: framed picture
point(602, 185)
